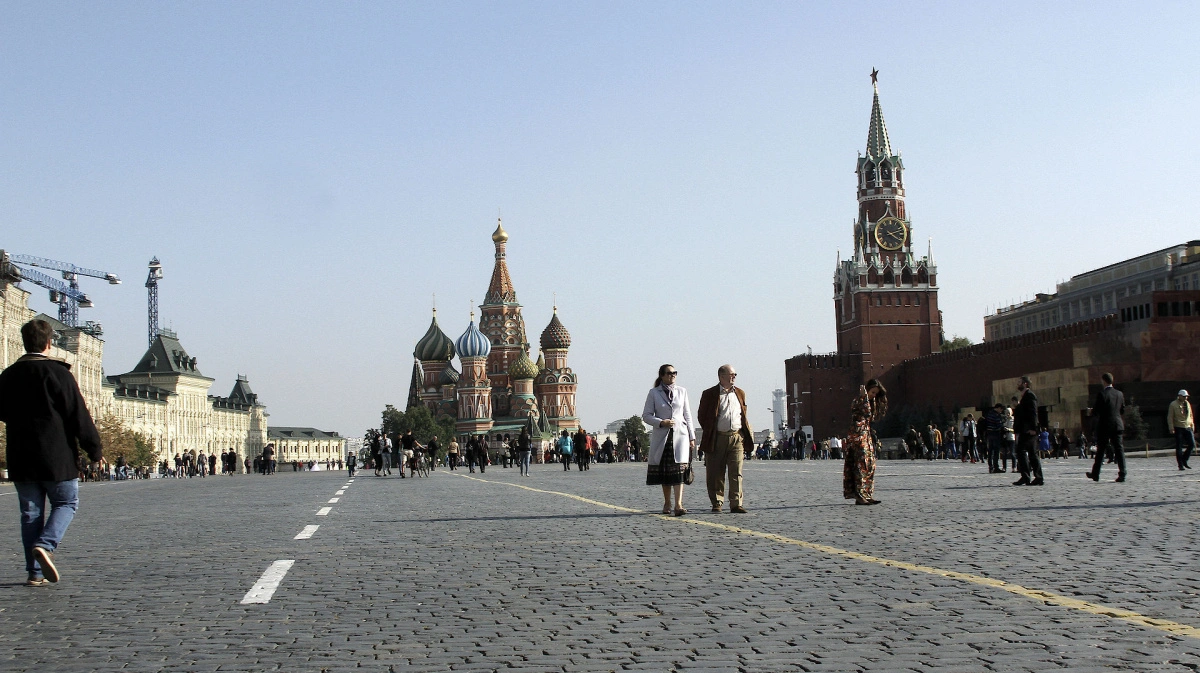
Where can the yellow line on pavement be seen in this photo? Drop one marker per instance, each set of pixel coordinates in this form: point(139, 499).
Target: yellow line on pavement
point(1050, 598)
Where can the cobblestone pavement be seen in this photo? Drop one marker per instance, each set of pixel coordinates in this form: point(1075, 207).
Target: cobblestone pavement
point(956, 571)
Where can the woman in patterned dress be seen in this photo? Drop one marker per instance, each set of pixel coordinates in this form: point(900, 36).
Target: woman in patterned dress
point(858, 480)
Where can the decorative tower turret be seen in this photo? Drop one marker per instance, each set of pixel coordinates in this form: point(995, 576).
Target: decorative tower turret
point(474, 386)
point(556, 383)
point(500, 319)
point(434, 351)
point(522, 372)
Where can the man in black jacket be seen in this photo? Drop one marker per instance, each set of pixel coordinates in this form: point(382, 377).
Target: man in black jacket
point(1025, 425)
point(1110, 427)
point(47, 423)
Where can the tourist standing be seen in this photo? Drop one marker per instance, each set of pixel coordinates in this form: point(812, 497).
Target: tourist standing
point(967, 431)
point(858, 476)
point(1025, 427)
point(452, 453)
point(672, 440)
point(351, 463)
point(1110, 426)
point(722, 416)
point(1183, 426)
point(524, 451)
point(47, 423)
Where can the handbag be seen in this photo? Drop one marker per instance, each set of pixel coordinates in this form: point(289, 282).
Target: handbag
point(688, 475)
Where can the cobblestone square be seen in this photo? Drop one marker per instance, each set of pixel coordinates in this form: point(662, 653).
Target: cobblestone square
point(957, 570)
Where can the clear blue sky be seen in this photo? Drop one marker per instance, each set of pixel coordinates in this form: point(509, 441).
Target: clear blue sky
point(681, 174)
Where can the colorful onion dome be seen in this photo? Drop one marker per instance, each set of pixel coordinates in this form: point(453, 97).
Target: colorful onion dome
point(473, 343)
point(555, 336)
point(435, 345)
point(449, 376)
point(523, 367)
point(500, 235)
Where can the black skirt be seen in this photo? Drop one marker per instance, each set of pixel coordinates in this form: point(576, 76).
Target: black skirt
point(666, 472)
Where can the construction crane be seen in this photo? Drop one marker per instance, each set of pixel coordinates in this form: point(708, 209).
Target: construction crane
point(156, 275)
point(67, 295)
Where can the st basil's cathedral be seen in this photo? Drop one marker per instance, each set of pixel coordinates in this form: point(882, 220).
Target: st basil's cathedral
point(498, 388)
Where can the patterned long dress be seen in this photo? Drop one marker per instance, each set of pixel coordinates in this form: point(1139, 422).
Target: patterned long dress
point(858, 478)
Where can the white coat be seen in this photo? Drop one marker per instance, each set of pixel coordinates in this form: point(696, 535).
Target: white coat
point(659, 409)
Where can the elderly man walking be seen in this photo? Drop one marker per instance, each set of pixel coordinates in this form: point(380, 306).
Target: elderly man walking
point(1183, 426)
point(722, 415)
point(47, 423)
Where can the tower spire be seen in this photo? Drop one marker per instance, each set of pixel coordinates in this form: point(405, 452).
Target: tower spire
point(878, 145)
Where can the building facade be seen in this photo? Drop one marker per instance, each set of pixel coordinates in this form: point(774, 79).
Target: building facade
point(500, 388)
point(1098, 292)
point(306, 444)
point(164, 397)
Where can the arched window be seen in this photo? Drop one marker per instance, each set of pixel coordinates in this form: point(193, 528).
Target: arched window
point(869, 171)
point(885, 171)
point(888, 277)
point(906, 277)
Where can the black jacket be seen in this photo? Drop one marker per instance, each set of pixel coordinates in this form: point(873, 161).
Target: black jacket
point(1107, 410)
point(1025, 416)
point(47, 420)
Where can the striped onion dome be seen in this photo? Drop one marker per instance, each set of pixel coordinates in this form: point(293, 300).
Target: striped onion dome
point(523, 367)
point(449, 376)
point(473, 343)
point(555, 336)
point(435, 345)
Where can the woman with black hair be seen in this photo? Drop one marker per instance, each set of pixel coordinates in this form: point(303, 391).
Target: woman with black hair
point(673, 440)
point(858, 478)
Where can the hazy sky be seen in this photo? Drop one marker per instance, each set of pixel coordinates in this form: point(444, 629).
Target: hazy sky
point(681, 174)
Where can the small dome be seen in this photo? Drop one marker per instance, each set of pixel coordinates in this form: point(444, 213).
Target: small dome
point(435, 345)
point(473, 343)
point(449, 376)
point(555, 336)
point(500, 235)
point(523, 368)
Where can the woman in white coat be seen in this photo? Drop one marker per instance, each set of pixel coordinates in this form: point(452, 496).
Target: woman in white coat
point(673, 440)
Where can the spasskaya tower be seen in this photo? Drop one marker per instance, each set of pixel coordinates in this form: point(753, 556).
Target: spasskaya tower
point(885, 297)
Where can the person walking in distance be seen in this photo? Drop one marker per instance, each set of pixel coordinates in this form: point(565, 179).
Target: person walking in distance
point(1108, 410)
point(524, 451)
point(858, 475)
point(564, 450)
point(1183, 426)
point(673, 439)
point(1025, 426)
point(351, 463)
point(47, 423)
point(722, 416)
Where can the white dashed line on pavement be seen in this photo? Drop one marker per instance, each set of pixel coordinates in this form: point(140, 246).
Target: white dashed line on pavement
point(324, 511)
point(333, 500)
point(341, 492)
point(306, 533)
point(266, 585)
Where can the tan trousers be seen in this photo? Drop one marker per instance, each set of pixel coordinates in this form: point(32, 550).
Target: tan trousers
point(725, 457)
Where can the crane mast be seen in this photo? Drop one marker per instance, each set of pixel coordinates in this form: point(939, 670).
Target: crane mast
point(152, 279)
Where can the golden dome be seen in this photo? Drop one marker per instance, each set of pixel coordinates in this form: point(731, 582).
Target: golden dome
point(500, 235)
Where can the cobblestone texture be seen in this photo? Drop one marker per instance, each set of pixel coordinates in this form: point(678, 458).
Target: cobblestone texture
point(453, 574)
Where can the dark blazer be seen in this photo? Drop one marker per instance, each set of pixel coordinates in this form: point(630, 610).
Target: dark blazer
point(710, 406)
point(47, 420)
point(1108, 409)
point(1025, 417)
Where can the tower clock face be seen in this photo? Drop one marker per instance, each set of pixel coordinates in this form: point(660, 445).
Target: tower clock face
point(890, 233)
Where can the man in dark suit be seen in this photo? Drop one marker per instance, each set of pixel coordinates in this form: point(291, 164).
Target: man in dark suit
point(1110, 427)
point(47, 423)
point(722, 415)
point(1025, 425)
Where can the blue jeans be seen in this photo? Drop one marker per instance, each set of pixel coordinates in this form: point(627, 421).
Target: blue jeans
point(38, 530)
point(524, 463)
